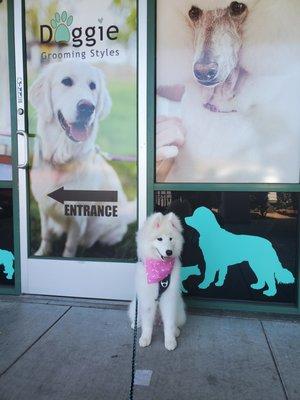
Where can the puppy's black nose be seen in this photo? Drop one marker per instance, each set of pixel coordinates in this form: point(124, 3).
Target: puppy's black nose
point(206, 72)
point(85, 109)
point(169, 253)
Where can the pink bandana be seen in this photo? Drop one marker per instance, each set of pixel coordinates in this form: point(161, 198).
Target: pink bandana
point(157, 270)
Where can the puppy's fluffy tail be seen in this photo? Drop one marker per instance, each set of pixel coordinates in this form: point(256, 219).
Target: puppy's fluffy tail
point(284, 276)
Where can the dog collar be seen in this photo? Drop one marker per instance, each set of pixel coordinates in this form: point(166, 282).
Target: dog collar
point(158, 270)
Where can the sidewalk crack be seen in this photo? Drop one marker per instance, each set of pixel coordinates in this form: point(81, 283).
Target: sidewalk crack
point(35, 341)
point(275, 361)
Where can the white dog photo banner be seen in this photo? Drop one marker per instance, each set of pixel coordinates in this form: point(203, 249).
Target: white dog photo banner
point(227, 86)
point(82, 92)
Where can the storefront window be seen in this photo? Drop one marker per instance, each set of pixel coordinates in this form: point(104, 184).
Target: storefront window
point(227, 106)
point(238, 245)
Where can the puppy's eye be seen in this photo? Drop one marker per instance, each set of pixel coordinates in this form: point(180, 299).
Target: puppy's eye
point(171, 239)
point(67, 81)
point(237, 8)
point(195, 13)
point(92, 85)
point(159, 239)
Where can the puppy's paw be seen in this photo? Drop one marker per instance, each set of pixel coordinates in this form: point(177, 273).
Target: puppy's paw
point(177, 332)
point(170, 343)
point(145, 341)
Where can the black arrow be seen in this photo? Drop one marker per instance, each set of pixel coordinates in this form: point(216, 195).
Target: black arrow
point(61, 195)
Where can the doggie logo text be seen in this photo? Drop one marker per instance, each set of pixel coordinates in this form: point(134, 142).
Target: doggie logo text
point(60, 30)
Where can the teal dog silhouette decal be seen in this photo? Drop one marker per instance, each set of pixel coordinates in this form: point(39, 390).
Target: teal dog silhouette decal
point(222, 249)
point(186, 272)
point(7, 259)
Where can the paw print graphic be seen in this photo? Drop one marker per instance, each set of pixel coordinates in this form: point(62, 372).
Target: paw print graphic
point(60, 24)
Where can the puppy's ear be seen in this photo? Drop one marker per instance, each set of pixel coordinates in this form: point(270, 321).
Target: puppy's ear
point(104, 99)
point(40, 95)
point(155, 220)
point(175, 221)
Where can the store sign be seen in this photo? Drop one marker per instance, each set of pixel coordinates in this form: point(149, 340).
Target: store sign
point(61, 31)
point(82, 88)
point(61, 195)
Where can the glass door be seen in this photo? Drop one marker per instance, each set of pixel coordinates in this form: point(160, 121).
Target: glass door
point(9, 259)
point(78, 90)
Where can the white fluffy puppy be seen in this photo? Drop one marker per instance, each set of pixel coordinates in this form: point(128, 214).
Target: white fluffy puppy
point(159, 244)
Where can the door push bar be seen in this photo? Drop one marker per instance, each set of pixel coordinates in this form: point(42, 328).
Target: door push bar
point(24, 165)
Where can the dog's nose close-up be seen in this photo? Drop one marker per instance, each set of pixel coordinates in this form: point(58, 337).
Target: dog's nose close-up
point(206, 72)
point(85, 109)
point(169, 253)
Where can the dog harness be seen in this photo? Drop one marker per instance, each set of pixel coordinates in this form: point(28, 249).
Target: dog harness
point(159, 271)
point(163, 286)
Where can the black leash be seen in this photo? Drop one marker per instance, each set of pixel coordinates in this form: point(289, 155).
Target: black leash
point(133, 351)
point(163, 286)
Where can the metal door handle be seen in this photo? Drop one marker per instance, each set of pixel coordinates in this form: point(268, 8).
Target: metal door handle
point(25, 163)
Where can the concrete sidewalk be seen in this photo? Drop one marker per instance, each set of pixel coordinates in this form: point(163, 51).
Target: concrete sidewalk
point(64, 349)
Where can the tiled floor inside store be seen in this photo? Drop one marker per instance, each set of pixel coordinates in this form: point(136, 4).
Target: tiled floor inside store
point(69, 349)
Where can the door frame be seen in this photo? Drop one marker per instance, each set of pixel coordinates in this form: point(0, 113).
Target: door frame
point(63, 277)
point(14, 183)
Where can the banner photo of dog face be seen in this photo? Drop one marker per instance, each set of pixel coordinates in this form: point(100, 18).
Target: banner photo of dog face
point(238, 246)
point(228, 91)
point(82, 92)
point(5, 129)
point(7, 270)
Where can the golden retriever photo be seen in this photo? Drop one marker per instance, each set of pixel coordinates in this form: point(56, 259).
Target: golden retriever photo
point(83, 125)
point(70, 98)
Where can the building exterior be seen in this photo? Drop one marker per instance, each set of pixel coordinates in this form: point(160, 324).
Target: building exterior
point(111, 112)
